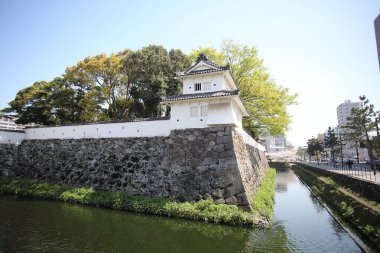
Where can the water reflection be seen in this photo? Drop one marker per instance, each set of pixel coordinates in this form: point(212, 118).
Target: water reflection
point(317, 205)
point(307, 224)
point(36, 226)
point(284, 178)
point(274, 239)
point(301, 225)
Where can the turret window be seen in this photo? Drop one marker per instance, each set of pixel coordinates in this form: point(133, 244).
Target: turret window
point(204, 110)
point(194, 111)
point(197, 86)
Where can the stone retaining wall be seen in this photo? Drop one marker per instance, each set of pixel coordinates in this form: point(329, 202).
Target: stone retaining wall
point(368, 189)
point(188, 165)
point(8, 156)
point(280, 166)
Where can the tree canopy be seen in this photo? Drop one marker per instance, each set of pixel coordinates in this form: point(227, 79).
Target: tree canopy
point(314, 147)
point(331, 141)
point(131, 83)
point(125, 85)
point(301, 152)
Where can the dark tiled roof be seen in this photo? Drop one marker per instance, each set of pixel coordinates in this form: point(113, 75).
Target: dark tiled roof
point(221, 93)
point(204, 58)
point(199, 72)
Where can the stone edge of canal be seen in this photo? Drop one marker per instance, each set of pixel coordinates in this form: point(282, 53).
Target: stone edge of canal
point(365, 244)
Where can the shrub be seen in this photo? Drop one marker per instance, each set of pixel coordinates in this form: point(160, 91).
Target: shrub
point(204, 210)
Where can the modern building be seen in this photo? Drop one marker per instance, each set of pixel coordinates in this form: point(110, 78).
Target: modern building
point(348, 148)
point(321, 138)
point(344, 110)
point(377, 34)
point(274, 143)
point(8, 123)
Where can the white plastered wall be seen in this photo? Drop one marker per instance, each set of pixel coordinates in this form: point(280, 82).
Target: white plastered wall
point(109, 130)
point(11, 137)
point(221, 114)
point(218, 82)
point(218, 114)
point(180, 115)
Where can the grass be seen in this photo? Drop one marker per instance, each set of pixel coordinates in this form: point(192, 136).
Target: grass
point(204, 210)
point(263, 203)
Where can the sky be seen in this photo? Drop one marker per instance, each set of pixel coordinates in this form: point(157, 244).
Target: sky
point(325, 51)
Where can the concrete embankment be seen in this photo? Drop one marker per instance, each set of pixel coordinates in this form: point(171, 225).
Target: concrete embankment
point(344, 200)
point(366, 188)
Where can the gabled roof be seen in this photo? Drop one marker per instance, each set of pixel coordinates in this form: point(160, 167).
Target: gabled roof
point(220, 93)
point(203, 65)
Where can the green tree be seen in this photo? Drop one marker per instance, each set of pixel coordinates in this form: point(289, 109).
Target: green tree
point(33, 104)
point(55, 102)
point(301, 152)
point(67, 101)
point(106, 83)
point(151, 76)
point(265, 100)
point(178, 62)
point(314, 148)
point(331, 141)
point(123, 85)
point(361, 122)
point(353, 137)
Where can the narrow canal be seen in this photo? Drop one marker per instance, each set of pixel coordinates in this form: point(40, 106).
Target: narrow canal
point(301, 225)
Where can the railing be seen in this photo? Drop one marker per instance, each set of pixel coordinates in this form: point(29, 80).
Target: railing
point(360, 170)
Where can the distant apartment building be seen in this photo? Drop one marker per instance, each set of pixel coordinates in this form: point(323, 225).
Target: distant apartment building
point(321, 138)
point(8, 123)
point(344, 110)
point(377, 34)
point(348, 148)
point(274, 143)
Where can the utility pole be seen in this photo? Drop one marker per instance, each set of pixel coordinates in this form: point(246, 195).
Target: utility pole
point(377, 123)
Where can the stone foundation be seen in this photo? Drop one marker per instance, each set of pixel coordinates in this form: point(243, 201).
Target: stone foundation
point(191, 164)
point(8, 156)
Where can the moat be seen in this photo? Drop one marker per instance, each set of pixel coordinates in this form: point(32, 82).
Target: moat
point(301, 224)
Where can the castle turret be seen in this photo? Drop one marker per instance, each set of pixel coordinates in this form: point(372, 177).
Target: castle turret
point(210, 97)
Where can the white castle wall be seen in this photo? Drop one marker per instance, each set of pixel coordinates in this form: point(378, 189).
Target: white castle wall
point(107, 130)
point(112, 130)
point(11, 136)
point(247, 139)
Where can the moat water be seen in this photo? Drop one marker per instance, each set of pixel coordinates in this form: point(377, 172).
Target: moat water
point(301, 224)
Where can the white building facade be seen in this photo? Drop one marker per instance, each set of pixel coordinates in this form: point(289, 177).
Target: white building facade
point(344, 110)
point(348, 148)
point(210, 97)
point(274, 143)
point(9, 124)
